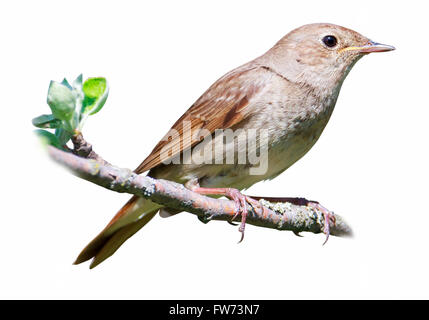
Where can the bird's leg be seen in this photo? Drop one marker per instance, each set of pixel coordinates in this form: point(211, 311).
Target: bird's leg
point(234, 194)
point(328, 216)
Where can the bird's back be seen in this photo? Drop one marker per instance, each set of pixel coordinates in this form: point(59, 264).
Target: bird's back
point(289, 118)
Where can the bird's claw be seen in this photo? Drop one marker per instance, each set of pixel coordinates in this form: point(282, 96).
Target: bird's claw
point(205, 219)
point(241, 208)
point(297, 233)
point(328, 216)
point(240, 200)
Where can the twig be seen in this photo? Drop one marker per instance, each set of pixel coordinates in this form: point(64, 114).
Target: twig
point(280, 216)
point(83, 149)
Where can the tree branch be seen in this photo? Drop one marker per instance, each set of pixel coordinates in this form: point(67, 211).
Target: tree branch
point(280, 216)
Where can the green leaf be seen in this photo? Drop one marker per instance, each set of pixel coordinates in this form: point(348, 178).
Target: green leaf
point(47, 121)
point(77, 83)
point(79, 96)
point(61, 100)
point(66, 83)
point(63, 136)
point(48, 138)
point(94, 87)
point(96, 91)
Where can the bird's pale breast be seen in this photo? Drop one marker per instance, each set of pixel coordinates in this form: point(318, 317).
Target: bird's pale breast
point(293, 117)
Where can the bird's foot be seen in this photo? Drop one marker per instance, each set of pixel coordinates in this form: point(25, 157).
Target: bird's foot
point(241, 201)
point(328, 215)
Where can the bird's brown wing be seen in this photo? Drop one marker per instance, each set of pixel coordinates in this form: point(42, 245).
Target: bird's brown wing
point(222, 106)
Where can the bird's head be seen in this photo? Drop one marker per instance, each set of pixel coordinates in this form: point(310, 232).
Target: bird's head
point(321, 54)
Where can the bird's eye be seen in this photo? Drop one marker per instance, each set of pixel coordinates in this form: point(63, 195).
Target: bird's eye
point(330, 41)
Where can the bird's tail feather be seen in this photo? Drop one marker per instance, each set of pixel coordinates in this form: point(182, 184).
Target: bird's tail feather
point(131, 218)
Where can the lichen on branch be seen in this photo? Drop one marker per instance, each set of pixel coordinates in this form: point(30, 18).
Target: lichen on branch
point(280, 216)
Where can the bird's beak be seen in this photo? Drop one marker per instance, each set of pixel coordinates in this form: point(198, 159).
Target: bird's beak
point(371, 47)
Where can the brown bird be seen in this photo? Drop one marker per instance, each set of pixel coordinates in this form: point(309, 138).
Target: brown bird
point(288, 94)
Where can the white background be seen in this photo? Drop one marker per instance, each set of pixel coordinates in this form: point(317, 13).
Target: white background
point(370, 165)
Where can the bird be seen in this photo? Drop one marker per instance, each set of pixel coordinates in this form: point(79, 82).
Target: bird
point(288, 93)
